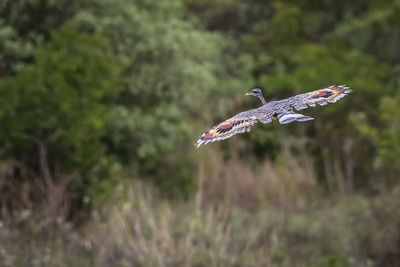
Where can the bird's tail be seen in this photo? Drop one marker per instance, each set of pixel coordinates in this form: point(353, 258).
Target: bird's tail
point(292, 116)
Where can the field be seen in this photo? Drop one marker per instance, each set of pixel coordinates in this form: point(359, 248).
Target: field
point(103, 104)
point(234, 219)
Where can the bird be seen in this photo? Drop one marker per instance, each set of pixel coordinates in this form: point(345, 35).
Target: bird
point(282, 110)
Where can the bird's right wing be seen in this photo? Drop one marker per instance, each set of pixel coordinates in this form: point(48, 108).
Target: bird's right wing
point(240, 123)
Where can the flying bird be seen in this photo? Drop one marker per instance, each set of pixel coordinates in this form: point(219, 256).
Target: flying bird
point(281, 110)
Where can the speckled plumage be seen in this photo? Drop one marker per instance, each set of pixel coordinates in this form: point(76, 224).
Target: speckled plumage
point(281, 110)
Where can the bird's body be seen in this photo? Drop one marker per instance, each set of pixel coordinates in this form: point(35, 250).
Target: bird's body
point(281, 110)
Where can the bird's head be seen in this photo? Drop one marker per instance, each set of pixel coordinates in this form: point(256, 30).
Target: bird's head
point(255, 92)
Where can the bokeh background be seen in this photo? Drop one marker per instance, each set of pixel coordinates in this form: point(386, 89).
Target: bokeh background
point(102, 101)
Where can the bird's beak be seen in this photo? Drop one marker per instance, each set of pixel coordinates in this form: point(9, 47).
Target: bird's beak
point(248, 94)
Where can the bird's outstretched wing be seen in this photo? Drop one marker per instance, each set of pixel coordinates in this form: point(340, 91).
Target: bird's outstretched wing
point(238, 124)
point(321, 97)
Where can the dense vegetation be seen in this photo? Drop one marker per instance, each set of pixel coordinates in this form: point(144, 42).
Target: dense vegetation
point(101, 102)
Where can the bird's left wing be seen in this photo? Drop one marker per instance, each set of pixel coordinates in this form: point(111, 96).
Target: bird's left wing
point(240, 123)
point(321, 97)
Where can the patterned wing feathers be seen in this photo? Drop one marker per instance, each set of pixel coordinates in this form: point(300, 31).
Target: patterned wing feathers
point(322, 97)
point(226, 129)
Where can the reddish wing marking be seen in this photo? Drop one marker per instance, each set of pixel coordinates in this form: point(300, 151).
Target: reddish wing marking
point(323, 94)
point(220, 129)
point(227, 127)
point(207, 135)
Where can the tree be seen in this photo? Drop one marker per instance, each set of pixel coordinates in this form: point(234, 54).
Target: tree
point(174, 68)
point(54, 112)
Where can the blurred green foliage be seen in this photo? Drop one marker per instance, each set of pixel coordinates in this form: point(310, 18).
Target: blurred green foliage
point(61, 100)
point(170, 65)
point(127, 86)
point(173, 68)
point(94, 91)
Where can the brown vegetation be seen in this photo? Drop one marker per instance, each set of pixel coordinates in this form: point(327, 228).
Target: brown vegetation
point(273, 216)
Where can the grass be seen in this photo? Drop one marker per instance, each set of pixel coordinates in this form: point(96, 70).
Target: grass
point(351, 231)
point(275, 215)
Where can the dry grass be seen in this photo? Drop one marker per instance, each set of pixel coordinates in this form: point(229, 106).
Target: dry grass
point(272, 214)
point(289, 182)
point(144, 230)
point(23, 190)
point(269, 214)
